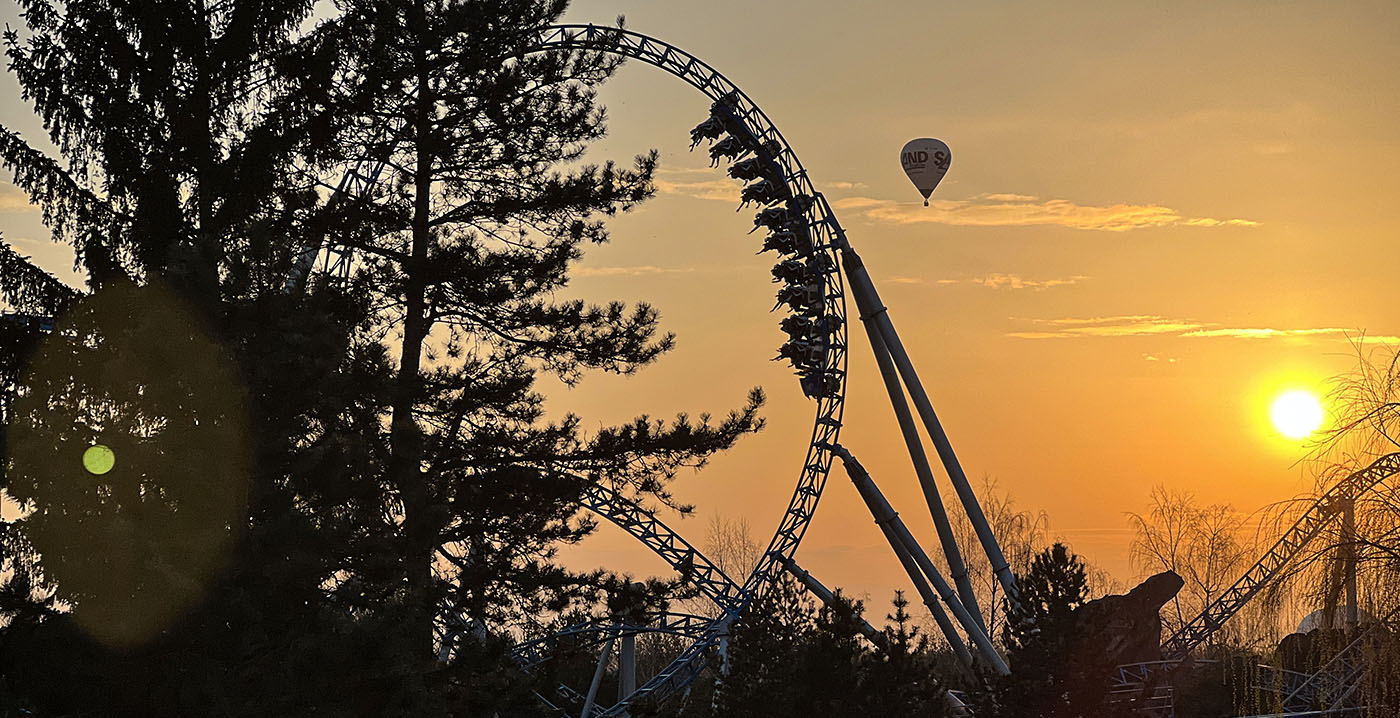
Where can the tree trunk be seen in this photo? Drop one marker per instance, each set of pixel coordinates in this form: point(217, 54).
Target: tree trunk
point(406, 436)
point(206, 270)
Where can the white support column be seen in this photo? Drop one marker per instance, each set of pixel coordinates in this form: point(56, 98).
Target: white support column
point(829, 599)
point(1348, 551)
point(627, 667)
point(928, 596)
point(915, 445)
point(872, 310)
point(591, 700)
point(886, 516)
point(724, 649)
point(627, 655)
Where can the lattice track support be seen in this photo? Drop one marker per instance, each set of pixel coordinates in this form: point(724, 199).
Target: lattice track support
point(828, 234)
point(699, 570)
point(537, 651)
point(1140, 686)
point(355, 185)
point(1308, 526)
point(822, 229)
point(1336, 683)
point(823, 235)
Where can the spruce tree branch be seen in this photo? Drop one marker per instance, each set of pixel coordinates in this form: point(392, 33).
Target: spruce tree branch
point(48, 184)
point(29, 288)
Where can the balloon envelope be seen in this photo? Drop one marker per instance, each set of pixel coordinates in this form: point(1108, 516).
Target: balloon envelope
point(925, 160)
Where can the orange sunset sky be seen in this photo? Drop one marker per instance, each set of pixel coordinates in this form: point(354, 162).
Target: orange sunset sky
point(1158, 218)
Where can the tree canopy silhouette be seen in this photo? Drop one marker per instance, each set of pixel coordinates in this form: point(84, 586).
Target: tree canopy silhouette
point(375, 449)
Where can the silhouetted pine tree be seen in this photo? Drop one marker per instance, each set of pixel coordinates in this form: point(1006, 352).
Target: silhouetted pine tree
point(1046, 681)
point(903, 679)
point(465, 246)
point(789, 659)
point(194, 138)
point(766, 649)
point(175, 188)
point(1055, 585)
point(831, 680)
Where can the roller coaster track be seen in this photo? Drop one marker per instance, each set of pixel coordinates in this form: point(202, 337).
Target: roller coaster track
point(356, 185)
point(686, 625)
point(693, 566)
point(825, 236)
point(1304, 530)
point(1335, 684)
point(530, 654)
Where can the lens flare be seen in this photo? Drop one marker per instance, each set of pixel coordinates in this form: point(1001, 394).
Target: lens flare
point(99, 459)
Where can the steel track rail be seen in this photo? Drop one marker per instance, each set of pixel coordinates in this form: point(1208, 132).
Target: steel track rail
point(823, 232)
point(1323, 511)
point(532, 653)
point(825, 235)
point(669, 545)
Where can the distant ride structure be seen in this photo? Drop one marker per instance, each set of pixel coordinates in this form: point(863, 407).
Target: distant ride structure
point(1334, 689)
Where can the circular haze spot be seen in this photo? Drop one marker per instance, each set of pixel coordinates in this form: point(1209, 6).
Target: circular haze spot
point(130, 551)
point(99, 459)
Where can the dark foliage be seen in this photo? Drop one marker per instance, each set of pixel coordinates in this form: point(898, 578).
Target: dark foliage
point(1050, 676)
point(791, 659)
point(308, 482)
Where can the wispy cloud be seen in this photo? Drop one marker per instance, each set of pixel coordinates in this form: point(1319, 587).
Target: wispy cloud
point(1138, 325)
point(861, 203)
point(1009, 197)
point(634, 271)
point(1018, 210)
point(716, 189)
point(13, 200)
point(1212, 222)
point(995, 281)
point(713, 184)
point(1119, 326)
point(1016, 281)
point(1264, 333)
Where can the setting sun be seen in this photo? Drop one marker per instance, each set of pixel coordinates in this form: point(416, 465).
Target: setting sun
point(1296, 414)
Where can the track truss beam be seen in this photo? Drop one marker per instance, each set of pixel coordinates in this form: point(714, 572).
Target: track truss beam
point(689, 562)
point(823, 232)
point(1325, 510)
point(686, 625)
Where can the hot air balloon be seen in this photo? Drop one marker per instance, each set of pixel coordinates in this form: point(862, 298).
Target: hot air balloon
point(925, 160)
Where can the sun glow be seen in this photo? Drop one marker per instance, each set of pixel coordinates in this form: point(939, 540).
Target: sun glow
point(1296, 414)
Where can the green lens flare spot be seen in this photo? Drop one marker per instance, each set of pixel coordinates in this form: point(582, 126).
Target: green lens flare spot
point(99, 459)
